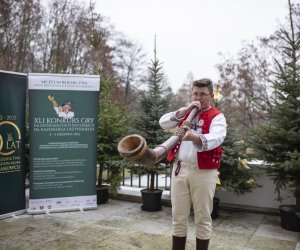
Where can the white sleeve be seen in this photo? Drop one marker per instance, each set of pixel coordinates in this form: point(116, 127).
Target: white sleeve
point(216, 135)
point(59, 113)
point(56, 110)
point(168, 121)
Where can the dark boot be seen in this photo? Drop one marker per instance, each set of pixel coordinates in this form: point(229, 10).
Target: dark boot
point(202, 244)
point(178, 243)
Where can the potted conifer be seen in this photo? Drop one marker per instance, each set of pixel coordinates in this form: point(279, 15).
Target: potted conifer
point(235, 175)
point(153, 104)
point(112, 124)
point(277, 141)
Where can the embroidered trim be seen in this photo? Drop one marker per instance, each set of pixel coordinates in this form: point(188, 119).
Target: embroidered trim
point(194, 123)
point(204, 142)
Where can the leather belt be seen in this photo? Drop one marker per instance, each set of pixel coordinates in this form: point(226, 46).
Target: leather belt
point(178, 168)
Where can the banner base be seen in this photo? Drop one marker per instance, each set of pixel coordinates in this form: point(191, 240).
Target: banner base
point(81, 209)
point(62, 204)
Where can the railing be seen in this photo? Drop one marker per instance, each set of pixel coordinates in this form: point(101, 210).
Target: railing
point(162, 180)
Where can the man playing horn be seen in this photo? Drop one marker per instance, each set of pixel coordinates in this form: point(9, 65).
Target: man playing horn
point(196, 160)
point(64, 111)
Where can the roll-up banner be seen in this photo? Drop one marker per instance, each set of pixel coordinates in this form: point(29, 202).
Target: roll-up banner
point(12, 143)
point(63, 142)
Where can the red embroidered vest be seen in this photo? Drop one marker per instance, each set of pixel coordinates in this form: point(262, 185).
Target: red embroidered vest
point(207, 159)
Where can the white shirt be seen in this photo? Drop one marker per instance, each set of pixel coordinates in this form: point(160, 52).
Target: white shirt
point(63, 114)
point(188, 149)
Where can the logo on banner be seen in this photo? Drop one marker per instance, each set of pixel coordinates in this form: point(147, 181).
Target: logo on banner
point(10, 141)
point(63, 111)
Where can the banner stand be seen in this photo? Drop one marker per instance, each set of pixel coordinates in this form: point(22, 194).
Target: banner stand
point(12, 143)
point(63, 122)
point(50, 211)
point(13, 214)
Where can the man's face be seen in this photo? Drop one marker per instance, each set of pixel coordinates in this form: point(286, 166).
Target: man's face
point(66, 108)
point(203, 95)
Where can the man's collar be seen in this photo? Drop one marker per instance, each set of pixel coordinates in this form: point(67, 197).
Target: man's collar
point(201, 111)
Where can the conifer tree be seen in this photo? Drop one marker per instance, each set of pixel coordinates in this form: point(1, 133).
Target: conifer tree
point(111, 126)
point(153, 104)
point(235, 174)
point(278, 141)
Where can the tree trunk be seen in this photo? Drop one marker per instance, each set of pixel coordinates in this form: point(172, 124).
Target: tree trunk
point(100, 174)
point(152, 177)
point(297, 196)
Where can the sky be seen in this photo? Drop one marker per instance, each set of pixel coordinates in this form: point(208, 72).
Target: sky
point(191, 34)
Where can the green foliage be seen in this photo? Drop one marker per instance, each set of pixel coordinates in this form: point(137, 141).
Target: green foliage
point(112, 124)
point(278, 141)
point(235, 174)
point(153, 104)
point(114, 175)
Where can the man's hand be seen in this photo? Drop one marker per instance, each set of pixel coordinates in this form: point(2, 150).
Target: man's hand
point(183, 111)
point(194, 104)
point(190, 135)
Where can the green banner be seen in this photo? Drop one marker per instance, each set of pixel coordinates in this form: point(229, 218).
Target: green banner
point(12, 143)
point(63, 141)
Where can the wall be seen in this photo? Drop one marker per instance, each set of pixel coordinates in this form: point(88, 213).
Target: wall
point(261, 199)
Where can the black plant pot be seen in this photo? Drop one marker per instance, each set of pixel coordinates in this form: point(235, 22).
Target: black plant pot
point(215, 212)
point(151, 200)
point(102, 194)
point(289, 219)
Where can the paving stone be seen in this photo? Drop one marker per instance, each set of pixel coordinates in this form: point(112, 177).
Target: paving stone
point(263, 243)
point(123, 225)
point(276, 232)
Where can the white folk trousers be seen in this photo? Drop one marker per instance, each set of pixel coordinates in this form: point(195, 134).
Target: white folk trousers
point(196, 187)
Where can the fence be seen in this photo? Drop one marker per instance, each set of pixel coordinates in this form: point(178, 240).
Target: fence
point(162, 180)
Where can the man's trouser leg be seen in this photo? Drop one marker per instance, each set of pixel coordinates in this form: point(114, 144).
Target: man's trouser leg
point(181, 205)
point(202, 188)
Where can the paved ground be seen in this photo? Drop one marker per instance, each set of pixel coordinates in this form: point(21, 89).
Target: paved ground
point(123, 225)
